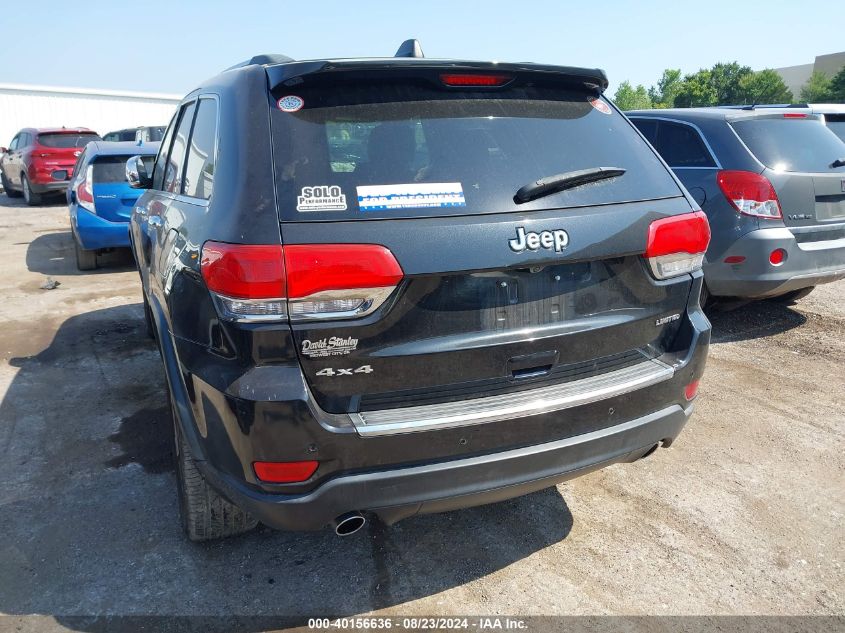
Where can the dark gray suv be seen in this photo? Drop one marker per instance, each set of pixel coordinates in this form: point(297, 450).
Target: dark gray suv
point(400, 285)
point(772, 183)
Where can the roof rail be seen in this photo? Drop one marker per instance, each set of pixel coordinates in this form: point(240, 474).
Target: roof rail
point(409, 48)
point(263, 59)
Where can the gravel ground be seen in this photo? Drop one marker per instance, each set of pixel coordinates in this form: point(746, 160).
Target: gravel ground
point(743, 515)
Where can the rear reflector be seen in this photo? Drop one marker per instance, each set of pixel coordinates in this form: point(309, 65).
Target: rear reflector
point(777, 257)
point(284, 472)
point(676, 245)
point(691, 390)
point(750, 193)
point(300, 281)
point(475, 80)
point(734, 259)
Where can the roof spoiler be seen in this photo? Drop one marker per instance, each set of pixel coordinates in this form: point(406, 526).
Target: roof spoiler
point(262, 60)
point(754, 106)
point(410, 48)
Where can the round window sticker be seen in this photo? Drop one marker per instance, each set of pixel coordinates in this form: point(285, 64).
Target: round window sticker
point(600, 105)
point(291, 103)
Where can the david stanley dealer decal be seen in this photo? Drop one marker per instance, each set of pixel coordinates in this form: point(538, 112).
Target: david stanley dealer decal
point(321, 198)
point(409, 196)
point(333, 346)
point(290, 103)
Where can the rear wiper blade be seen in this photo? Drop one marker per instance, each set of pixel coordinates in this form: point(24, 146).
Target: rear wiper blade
point(839, 162)
point(561, 182)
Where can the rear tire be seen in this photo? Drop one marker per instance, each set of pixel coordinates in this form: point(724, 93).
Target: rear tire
point(791, 297)
point(85, 259)
point(30, 197)
point(205, 514)
point(10, 193)
point(706, 299)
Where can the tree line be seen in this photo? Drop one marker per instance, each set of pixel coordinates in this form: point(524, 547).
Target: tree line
point(727, 84)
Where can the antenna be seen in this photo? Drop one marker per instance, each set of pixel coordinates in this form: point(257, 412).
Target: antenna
point(410, 48)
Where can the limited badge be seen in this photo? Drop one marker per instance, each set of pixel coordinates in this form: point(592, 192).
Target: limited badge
point(290, 103)
point(600, 105)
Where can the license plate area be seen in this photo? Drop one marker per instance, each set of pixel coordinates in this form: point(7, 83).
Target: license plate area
point(830, 207)
point(533, 297)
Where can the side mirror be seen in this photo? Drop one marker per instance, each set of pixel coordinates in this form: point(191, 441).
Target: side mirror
point(136, 173)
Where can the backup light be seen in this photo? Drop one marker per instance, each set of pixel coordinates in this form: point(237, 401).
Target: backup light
point(676, 245)
point(750, 193)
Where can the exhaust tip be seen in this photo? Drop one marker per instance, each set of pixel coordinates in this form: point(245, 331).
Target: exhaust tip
point(349, 523)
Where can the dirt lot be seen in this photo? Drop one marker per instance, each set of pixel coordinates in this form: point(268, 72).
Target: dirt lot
point(743, 515)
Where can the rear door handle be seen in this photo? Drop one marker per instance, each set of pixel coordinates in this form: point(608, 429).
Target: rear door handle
point(531, 365)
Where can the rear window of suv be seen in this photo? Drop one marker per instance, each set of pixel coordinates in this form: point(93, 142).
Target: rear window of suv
point(66, 139)
point(374, 149)
point(112, 169)
point(836, 123)
point(793, 145)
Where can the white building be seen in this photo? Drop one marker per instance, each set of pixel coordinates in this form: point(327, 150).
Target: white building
point(796, 76)
point(103, 111)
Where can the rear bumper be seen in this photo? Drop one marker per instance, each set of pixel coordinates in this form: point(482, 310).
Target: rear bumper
point(46, 178)
point(806, 264)
point(437, 487)
point(268, 414)
point(93, 232)
point(48, 187)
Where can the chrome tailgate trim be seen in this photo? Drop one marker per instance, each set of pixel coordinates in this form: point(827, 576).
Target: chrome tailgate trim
point(512, 405)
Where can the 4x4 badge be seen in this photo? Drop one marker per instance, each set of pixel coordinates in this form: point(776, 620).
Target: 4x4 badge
point(557, 240)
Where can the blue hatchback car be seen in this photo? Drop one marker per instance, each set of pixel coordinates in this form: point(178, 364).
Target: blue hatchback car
point(100, 200)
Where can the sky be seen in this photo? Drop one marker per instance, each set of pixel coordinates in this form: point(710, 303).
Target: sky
point(172, 46)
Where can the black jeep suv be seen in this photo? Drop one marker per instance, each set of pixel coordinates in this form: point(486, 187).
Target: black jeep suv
point(400, 286)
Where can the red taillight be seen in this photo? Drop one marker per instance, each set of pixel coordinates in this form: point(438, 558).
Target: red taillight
point(85, 190)
point(315, 268)
point(691, 390)
point(676, 245)
point(299, 281)
point(794, 115)
point(284, 472)
point(687, 233)
point(328, 281)
point(466, 79)
point(750, 193)
point(244, 271)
